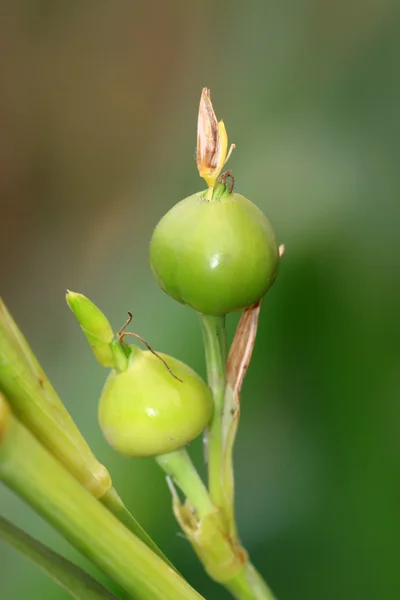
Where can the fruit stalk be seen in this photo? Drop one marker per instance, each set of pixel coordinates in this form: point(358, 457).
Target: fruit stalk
point(214, 337)
point(247, 584)
point(216, 252)
point(179, 467)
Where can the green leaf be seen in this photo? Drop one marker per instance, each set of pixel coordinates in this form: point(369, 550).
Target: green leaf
point(73, 579)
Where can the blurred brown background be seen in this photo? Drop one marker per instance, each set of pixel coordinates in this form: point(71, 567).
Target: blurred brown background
point(98, 110)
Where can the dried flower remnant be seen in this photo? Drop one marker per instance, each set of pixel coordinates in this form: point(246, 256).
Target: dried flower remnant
point(212, 142)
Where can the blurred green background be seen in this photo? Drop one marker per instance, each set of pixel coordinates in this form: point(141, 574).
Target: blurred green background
point(98, 110)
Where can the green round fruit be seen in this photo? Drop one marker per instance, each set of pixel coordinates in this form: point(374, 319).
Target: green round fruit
point(145, 411)
point(216, 256)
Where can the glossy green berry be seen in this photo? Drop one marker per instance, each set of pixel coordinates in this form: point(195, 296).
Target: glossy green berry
point(146, 411)
point(216, 256)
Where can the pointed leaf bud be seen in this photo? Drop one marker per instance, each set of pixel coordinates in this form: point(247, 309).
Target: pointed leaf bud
point(212, 141)
point(94, 325)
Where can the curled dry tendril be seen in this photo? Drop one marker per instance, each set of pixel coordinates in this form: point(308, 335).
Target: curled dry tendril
point(122, 334)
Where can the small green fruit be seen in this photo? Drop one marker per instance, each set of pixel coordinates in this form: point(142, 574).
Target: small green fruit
point(145, 411)
point(216, 256)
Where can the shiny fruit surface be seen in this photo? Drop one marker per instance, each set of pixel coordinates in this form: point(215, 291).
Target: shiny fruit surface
point(145, 411)
point(216, 256)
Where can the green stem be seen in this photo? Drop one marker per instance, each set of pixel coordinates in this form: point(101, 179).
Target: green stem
point(249, 585)
point(179, 466)
point(33, 473)
point(74, 580)
point(215, 349)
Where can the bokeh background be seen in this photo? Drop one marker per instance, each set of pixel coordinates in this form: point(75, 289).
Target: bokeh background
point(98, 110)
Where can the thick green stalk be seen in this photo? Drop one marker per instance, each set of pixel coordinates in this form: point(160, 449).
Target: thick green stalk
point(180, 468)
point(73, 579)
point(37, 405)
point(215, 349)
point(33, 473)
